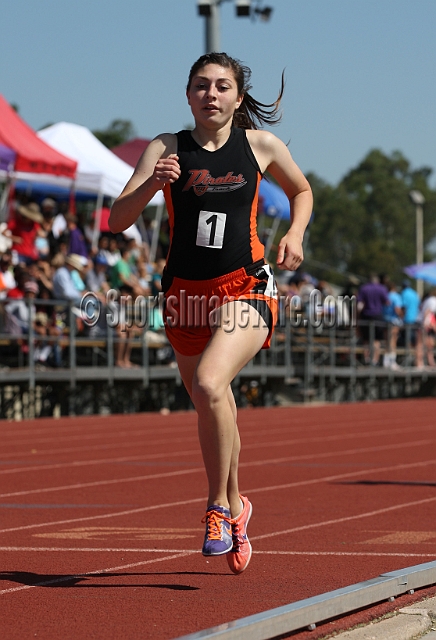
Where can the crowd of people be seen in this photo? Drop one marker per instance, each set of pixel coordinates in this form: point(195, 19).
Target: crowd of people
point(388, 316)
point(47, 253)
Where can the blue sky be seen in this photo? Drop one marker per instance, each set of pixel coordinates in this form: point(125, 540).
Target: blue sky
point(360, 73)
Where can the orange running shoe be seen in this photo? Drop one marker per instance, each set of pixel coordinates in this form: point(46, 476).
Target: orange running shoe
point(240, 554)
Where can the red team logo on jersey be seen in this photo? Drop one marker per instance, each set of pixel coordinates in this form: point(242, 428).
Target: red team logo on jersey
point(201, 181)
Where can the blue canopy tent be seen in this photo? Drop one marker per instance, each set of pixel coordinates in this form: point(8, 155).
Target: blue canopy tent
point(425, 271)
point(275, 204)
point(274, 200)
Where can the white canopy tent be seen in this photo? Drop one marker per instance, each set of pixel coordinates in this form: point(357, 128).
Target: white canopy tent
point(99, 171)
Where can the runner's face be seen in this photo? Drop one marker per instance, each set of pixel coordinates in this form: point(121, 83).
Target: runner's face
point(213, 95)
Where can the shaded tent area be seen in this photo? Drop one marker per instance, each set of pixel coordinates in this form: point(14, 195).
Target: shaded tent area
point(131, 150)
point(34, 158)
point(24, 156)
point(99, 171)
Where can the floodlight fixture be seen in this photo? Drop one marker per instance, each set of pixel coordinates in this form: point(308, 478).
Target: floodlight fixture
point(243, 8)
point(204, 8)
point(264, 13)
point(416, 197)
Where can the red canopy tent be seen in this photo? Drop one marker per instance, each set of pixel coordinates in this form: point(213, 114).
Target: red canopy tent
point(33, 154)
point(131, 151)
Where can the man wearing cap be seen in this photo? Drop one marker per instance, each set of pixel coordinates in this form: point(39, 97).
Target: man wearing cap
point(23, 230)
point(64, 287)
point(18, 311)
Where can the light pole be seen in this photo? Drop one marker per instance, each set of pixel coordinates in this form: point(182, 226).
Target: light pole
point(209, 9)
point(418, 200)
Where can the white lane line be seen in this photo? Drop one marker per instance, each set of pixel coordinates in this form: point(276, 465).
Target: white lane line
point(96, 447)
point(77, 576)
point(251, 446)
point(180, 503)
point(288, 429)
point(263, 552)
point(126, 434)
point(326, 523)
point(100, 483)
point(262, 462)
point(98, 461)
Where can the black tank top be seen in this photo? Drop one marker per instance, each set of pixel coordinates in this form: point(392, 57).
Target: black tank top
point(212, 209)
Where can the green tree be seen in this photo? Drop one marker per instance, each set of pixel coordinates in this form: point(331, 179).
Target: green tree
point(367, 222)
point(116, 133)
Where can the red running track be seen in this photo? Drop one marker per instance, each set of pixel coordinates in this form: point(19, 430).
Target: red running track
point(100, 526)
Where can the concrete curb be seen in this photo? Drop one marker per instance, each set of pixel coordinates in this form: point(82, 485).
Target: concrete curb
point(409, 623)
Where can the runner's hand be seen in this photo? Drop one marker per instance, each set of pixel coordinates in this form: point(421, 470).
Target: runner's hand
point(290, 252)
point(167, 169)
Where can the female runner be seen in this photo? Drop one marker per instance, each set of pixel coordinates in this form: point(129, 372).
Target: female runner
point(210, 177)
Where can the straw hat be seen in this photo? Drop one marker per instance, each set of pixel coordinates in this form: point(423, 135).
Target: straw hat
point(31, 211)
point(75, 261)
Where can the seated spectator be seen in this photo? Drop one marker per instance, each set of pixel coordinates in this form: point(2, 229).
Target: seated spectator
point(121, 274)
point(23, 230)
point(41, 272)
point(19, 310)
point(156, 278)
point(21, 276)
point(64, 285)
point(59, 223)
point(76, 240)
point(113, 252)
point(96, 277)
point(7, 280)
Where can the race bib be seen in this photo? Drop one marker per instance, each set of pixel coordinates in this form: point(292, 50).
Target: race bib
point(210, 231)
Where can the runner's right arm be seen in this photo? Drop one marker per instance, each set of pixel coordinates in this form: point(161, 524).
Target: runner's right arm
point(157, 166)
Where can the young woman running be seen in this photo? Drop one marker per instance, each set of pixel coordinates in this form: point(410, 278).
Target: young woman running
point(220, 295)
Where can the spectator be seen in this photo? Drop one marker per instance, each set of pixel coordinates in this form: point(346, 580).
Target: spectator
point(7, 280)
point(96, 277)
point(20, 310)
point(427, 332)
point(411, 301)
point(23, 230)
point(48, 208)
point(64, 286)
point(156, 278)
point(76, 240)
point(21, 276)
point(393, 315)
point(113, 253)
point(371, 300)
point(121, 274)
point(59, 224)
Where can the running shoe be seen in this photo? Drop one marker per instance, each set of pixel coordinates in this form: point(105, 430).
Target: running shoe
point(240, 555)
point(218, 538)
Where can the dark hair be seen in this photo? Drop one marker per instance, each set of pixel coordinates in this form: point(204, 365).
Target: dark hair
point(251, 114)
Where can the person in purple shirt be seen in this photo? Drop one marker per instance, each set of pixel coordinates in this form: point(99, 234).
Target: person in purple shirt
point(371, 301)
point(76, 239)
